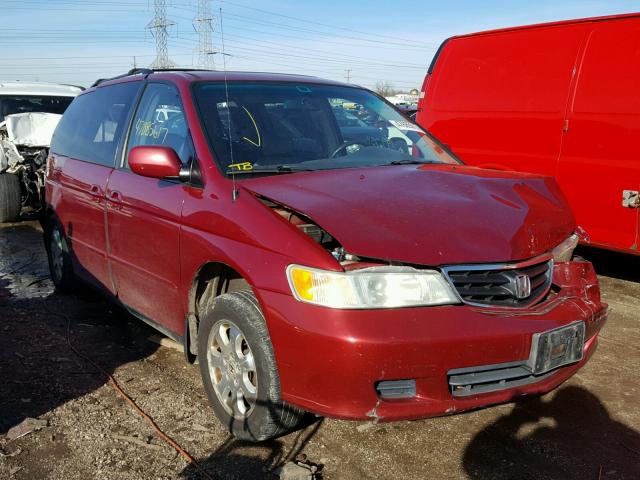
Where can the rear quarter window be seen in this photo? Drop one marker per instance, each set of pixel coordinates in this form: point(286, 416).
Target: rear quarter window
point(93, 125)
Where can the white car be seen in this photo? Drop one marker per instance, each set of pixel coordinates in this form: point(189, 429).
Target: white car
point(29, 113)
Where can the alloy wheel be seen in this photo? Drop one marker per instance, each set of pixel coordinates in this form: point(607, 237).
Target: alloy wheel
point(232, 369)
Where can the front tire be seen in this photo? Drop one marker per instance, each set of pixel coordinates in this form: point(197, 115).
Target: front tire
point(10, 197)
point(239, 371)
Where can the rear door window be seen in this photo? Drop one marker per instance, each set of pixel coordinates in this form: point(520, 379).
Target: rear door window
point(92, 126)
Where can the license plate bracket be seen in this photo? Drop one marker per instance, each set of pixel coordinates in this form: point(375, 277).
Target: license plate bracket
point(556, 348)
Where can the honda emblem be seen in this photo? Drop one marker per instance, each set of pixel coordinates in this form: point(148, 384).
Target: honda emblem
point(523, 286)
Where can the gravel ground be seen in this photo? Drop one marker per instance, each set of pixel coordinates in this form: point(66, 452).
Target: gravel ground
point(589, 428)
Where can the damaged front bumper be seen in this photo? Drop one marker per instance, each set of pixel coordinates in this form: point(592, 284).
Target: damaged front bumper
point(332, 362)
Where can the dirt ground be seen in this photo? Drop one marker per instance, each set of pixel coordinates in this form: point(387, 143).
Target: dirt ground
point(589, 428)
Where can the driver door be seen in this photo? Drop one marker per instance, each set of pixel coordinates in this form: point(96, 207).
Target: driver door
point(144, 214)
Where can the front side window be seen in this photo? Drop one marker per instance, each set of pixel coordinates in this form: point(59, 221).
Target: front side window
point(270, 128)
point(160, 120)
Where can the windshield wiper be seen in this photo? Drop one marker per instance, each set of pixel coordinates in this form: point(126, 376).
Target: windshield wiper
point(409, 161)
point(278, 169)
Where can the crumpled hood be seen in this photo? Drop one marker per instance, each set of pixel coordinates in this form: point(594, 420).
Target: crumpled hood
point(32, 129)
point(428, 214)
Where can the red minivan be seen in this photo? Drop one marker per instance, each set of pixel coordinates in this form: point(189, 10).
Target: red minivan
point(355, 272)
point(560, 99)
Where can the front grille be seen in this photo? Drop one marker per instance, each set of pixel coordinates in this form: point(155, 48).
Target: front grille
point(504, 284)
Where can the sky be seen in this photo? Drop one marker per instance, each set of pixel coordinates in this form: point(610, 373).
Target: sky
point(78, 41)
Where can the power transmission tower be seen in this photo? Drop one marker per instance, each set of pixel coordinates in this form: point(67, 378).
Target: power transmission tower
point(158, 27)
point(347, 75)
point(203, 25)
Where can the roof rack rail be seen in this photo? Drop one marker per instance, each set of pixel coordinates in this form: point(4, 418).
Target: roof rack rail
point(148, 71)
point(181, 69)
point(133, 71)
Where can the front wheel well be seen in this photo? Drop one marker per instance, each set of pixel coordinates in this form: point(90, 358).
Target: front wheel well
point(212, 280)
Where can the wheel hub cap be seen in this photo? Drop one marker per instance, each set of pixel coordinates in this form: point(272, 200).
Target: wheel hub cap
point(232, 369)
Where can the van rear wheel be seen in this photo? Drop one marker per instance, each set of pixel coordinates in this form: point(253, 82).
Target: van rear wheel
point(238, 369)
point(10, 201)
point(59, 256)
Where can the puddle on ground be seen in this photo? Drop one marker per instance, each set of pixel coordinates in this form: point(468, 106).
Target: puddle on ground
point(24, 272)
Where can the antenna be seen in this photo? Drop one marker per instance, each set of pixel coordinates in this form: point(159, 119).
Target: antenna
point(203, 25)
point(158, 27)
point(234, 191)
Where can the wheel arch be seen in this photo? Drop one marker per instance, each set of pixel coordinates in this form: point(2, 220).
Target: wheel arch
point(211, 279)
point(47, 214)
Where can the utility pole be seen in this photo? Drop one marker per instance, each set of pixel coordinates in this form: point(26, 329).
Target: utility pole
point(203, 25)
point(347, 74)
point(158, 27)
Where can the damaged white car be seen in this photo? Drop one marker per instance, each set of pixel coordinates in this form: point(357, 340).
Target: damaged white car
point(29, 113)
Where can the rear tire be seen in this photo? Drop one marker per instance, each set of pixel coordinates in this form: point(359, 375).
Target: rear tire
point(10, 197)
point(239, 371)
point(59, 256)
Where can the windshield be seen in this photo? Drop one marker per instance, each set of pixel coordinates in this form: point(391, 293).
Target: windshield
point(10, 104)
point(272, 128)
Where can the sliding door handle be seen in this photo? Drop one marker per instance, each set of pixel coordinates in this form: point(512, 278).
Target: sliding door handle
point(96, 193)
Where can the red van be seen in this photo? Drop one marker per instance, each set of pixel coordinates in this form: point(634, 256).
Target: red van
point(355, 272)
point(560, 99)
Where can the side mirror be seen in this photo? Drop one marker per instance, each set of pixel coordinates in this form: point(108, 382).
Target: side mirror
point(156, 161)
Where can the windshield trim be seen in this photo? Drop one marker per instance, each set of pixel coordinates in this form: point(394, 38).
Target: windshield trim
point(225, 173)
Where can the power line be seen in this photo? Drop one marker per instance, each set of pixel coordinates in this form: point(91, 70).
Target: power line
point(314, 58)
point(326, 34)
point(22, 34)
point(177, 4)
point(330, 57)
point(298, 19)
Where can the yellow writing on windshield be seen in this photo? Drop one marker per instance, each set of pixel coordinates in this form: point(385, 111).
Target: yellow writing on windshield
point(241, 166)
point(258, 142)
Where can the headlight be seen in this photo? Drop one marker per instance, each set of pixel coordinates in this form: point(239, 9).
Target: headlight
point(374, 287)
point(564, 251)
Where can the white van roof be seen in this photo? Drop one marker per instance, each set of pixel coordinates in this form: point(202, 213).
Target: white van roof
point(38, 88)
